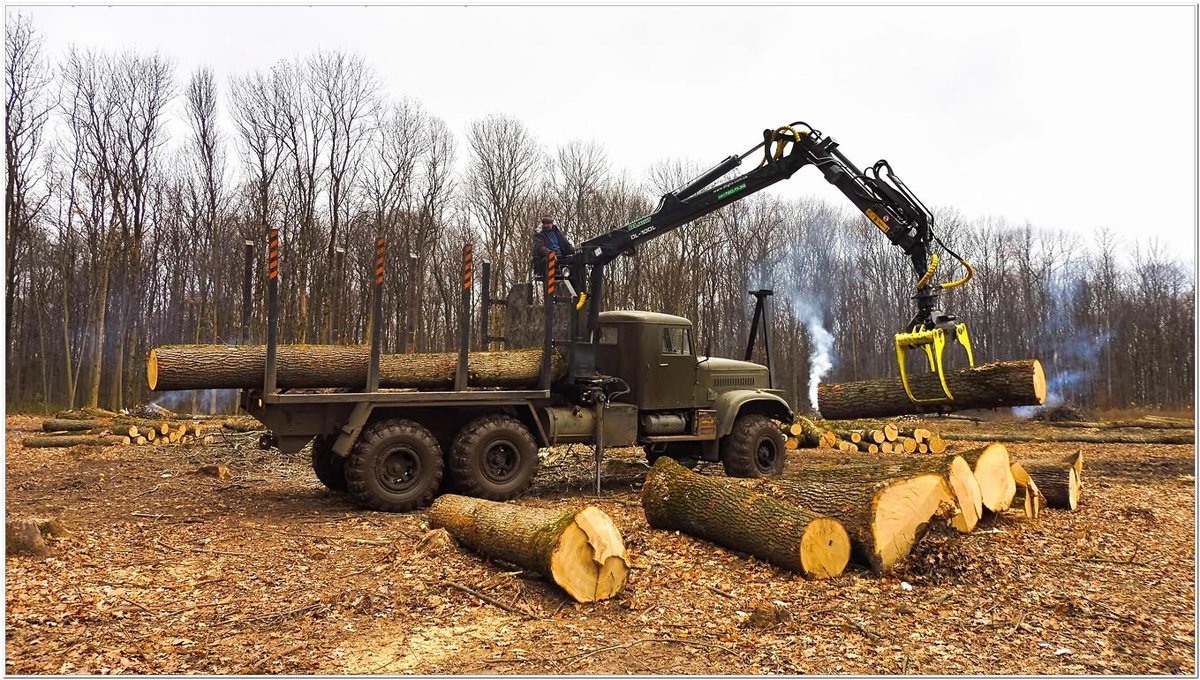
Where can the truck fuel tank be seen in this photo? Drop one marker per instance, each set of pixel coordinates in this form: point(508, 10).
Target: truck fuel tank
point(566, 424)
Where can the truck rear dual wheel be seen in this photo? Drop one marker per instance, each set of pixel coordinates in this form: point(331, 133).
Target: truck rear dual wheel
point(329, 467)
point(494, 457)
point(396, 466)
point(755, 448)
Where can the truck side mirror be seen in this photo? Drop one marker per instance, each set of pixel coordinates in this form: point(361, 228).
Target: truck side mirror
point(707, 350)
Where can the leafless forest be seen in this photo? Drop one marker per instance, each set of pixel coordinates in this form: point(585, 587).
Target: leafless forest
point(129, 197)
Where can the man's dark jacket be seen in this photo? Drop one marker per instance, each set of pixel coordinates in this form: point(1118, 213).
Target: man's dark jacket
point(541, 247)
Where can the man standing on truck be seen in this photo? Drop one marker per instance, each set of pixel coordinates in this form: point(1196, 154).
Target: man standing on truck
point(548, 237)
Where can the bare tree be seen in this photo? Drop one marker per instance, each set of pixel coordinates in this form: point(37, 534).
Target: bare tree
point(28, 105)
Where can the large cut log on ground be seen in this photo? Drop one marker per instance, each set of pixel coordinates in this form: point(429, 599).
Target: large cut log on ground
point(191, 367)
point(1166, 437)
point(60, 441)
point(725, 513)
point(69, 425)
point(993, 471)
point(1059, 481)
point(885, 517)
point(998, 384)
point(580, 550)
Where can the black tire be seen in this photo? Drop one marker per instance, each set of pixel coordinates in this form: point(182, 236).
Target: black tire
point(396, 466)
point(494, 457)
point(682, 453)
point(755, 448)
point(329, 467)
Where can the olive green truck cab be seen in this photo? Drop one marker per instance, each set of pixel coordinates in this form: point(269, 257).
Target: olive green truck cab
point(396, 450)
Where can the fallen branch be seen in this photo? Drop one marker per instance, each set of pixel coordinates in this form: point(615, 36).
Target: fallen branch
point(1083, 437)
point(491, 600)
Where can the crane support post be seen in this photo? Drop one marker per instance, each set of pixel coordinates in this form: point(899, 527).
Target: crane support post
point(464, 321)
point(376, 316)
point(548, 306)
point(272, 310)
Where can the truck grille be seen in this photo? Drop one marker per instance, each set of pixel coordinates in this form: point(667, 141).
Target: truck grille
point(734, 381)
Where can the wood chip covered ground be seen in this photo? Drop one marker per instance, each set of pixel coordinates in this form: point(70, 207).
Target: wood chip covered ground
point(168, 568)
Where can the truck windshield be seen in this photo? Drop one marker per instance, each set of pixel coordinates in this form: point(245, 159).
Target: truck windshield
point(675, 341)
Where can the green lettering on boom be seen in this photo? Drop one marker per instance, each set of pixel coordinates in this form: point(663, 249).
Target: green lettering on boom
point(637, 224)
point(730, 191)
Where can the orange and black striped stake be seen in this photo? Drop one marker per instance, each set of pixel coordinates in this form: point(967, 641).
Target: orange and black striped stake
point(468, 258)
point(551, 271)
point(380, 247)
point(273, 254)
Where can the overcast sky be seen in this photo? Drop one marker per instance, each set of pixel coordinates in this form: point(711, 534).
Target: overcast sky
point(1072, 117)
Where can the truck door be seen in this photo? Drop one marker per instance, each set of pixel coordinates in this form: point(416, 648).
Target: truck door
point(673, 376)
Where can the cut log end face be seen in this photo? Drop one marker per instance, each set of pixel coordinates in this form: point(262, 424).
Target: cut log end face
point(993, 470)
point(824, 548)
point(966, 491)
point(152, 369)
point(902, 512)
point(590, 561)
point(1073, 490)
point(1039, 382)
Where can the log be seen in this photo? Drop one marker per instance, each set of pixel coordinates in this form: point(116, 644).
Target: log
point(890, 431)
point(188, 367)
point(245, 424)
point(994, 385)
point(877, 436)
point(86, 413)
point(723, 512)
point(70, 425)
point(828, 440)
point(1147, 423)
point(852, 436)
point(580, 550)
point(1075, 437)
point(72, 440)
point(808, 433)
point(993, 471)
point(1027, 491)
point(884, 515)
point(908, 444)
point(1057, 481)
point(791, 444)
point(936, 444)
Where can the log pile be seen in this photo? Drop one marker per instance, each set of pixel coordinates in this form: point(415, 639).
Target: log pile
point(867, 436)
point(98, 427)
point(884, 505)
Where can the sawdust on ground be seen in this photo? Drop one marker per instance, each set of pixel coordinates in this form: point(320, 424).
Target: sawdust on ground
point(169, 571)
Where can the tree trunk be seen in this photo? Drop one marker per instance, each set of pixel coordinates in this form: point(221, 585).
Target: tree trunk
point(64, 425)
point(734, 517)
point(885, 515)
point(580, 550)
point(994, 385)
point(189, 367)
point(992, 469)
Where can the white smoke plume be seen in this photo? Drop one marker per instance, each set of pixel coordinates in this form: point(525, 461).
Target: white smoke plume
point(820, 355)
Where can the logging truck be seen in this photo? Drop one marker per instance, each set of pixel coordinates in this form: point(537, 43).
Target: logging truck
point(395, 430)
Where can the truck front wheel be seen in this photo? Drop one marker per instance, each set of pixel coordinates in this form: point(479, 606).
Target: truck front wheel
point(329, 467)
point(396, 466)
point(494, 457)
point(754, 448)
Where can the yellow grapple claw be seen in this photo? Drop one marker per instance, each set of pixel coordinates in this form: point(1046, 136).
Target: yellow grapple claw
point(933, 342)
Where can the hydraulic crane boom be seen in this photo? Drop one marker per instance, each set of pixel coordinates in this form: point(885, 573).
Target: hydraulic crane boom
point(878, 193)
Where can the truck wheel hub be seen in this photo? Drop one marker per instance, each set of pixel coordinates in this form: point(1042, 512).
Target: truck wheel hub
point(500, 461)
point(399, 470)
point(764, 456)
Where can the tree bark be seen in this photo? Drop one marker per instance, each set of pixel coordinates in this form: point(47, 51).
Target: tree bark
point(725, 513)
point(580, 550)
point(994, 385)
point(64, 425)
point(188, 367)
point(1059, 481)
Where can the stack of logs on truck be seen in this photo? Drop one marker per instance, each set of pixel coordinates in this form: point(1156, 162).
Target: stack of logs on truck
point(99, 427)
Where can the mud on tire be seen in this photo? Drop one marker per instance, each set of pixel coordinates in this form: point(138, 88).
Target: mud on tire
point(396, 466)
point(755, 448)
point(493, 457)
point(329, 467)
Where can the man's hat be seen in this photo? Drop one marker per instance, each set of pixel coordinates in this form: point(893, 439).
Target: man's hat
point(547, 218)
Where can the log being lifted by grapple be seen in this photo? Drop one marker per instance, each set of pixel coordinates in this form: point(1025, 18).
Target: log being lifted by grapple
point(725, 513)
point(202, 367)
point(995, 385)
point(580, 550)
